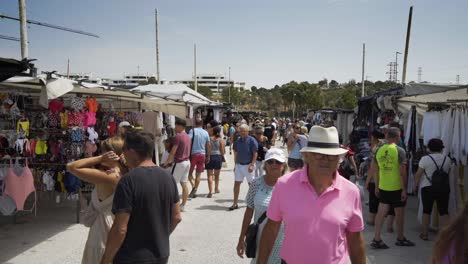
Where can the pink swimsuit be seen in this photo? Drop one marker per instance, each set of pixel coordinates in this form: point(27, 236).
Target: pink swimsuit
point(19, 187)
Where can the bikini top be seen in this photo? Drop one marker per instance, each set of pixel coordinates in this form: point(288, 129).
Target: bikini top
point(55, 106)
point(77, 103)
point(23, 126)
point(41, 147)
point(93, 135)
point(92, 104)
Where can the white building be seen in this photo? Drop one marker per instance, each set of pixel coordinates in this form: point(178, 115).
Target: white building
point(215, 82)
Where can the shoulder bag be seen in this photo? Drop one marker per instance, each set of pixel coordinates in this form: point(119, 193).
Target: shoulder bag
point(251, 237)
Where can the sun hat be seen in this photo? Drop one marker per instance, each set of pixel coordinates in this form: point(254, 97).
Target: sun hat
point(324, 141)
point(275, 153)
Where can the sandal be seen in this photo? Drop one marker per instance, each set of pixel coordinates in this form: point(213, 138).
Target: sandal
point(233, 207)
point(424, 237)
point(378, 244)
point(404, 243)
point(209, 195)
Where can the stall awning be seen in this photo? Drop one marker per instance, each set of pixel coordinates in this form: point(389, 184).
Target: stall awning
point(176, 92)
point(51, 88)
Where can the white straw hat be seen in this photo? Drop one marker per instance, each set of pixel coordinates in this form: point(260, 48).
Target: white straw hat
point(324, 141)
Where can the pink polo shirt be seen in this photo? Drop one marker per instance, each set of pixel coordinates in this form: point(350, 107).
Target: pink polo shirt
point(315, 226)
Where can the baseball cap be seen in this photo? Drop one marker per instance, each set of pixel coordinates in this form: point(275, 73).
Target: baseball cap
point(275, 153)
point(125, 124)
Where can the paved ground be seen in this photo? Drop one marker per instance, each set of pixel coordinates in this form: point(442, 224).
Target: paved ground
point(208, 233)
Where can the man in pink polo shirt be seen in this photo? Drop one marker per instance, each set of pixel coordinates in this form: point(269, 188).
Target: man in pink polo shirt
point(321, 210)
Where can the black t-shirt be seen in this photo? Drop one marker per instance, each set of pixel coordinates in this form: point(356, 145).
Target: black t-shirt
point(148, 194)
point(269, 131)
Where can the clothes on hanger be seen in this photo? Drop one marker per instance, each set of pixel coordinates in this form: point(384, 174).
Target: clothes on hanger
point(19, 187)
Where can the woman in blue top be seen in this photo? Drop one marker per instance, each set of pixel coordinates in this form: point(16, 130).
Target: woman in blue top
point(258, 199)
point(296, 141)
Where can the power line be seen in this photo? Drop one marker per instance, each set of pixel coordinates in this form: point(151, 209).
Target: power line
point(9, 38)
point(52, 26)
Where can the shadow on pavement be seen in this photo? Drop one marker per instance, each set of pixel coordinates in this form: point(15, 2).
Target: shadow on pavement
point(29, 230)
point(216, 207)
point(228, 201)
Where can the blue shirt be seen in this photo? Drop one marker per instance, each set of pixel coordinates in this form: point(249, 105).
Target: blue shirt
point(199, 143)
point(245, 149)
point(296, 151)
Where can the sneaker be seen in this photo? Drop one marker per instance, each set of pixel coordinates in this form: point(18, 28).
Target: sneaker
point(182, 208)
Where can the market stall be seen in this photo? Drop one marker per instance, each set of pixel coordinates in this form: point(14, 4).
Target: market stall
point(48, 121)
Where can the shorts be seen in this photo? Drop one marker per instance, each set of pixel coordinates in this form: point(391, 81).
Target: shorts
point(295, 163)
point(180, 171)
point(392, 198)
point(216, 161)
point(242, 171)
point(199, 161)
point(428, 197)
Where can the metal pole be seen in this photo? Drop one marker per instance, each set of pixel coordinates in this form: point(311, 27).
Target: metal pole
point(396, 66)
point(157, 45)
point(408, 33)
point(195, 67)
point(23, 29)
point(230, 84)
point(68, 68)
point(363, 64)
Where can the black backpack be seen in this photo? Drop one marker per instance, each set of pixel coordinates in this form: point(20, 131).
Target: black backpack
point(440, 179)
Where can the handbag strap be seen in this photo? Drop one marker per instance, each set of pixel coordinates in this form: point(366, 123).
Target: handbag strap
point(262, 217)
point(193, 140)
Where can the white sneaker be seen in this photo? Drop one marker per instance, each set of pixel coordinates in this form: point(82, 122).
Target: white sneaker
point(182, 208)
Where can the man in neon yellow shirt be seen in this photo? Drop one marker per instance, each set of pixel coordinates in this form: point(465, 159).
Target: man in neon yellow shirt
point(391, 178)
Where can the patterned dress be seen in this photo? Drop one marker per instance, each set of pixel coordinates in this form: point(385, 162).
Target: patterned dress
point(258, 198)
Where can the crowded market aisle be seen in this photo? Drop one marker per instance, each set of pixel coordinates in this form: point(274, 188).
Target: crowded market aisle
point(208, 233)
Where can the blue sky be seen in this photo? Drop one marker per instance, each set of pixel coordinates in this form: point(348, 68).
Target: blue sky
point(265, 42)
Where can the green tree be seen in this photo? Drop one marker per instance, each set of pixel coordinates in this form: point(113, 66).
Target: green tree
point(203, 90)
point(333, 84)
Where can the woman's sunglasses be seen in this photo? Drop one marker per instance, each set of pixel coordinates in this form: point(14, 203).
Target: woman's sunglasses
point(272, 161)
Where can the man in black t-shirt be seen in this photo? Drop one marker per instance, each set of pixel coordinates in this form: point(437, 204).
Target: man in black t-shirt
point(146, 207)
point(269, 132)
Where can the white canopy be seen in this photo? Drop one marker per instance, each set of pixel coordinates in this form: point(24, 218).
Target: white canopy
point(51, 88)
point(176, 92)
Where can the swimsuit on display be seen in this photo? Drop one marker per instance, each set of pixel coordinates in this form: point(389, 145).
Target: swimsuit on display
point(89, 119)
point(111, 126)
point(48, 180)
point(55, 106)
point(64, 120)
point(19, 187)
point(77, 103)
point(92, 134)
point(54, 119)
point(92, 104)
point(23, 126)
point(22, 146)
point(41, 147)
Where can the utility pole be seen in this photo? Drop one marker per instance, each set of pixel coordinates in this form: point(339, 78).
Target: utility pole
point(391, 71)
point(396, 66)
point(229, 84)
point(195, 67)
point(419, 74)
point(23, 29)
point(363, 64)
point(408, 34)
point(458, 80)
point(157, 45)
point(68, 68)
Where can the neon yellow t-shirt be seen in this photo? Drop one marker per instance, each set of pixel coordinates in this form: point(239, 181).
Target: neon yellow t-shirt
point(389, 160)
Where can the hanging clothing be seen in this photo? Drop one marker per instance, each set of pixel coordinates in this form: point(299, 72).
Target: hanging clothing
point(151, 123)
point(19, 187)
point(447, 130)
point(92, 105)
point(431, 126)
point(98, 232)
point(23, 126)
